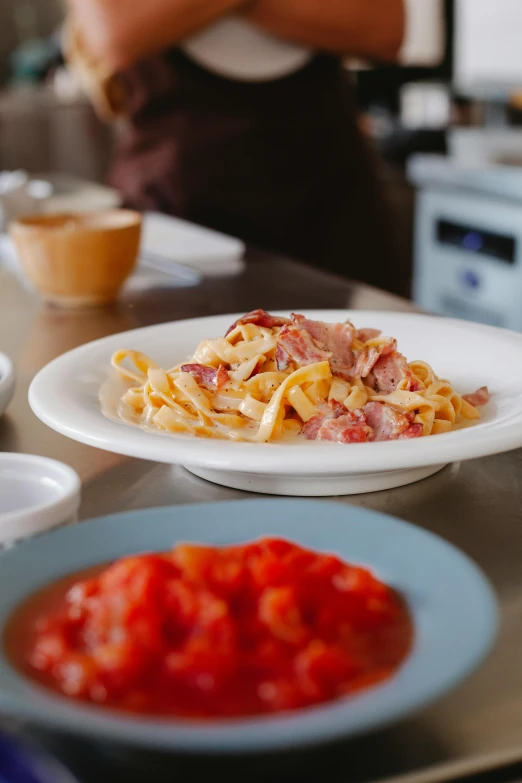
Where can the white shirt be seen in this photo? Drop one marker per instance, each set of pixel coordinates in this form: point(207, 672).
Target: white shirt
point(234, 48)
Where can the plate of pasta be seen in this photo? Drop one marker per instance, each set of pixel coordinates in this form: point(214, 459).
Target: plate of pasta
point(331, 402)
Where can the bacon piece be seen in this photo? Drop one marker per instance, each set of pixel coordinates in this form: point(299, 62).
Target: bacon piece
point(338, 424)
point(311, 428)
point(388, 423)
point(366, 359)
point(299, 347)
point(363, 335)
point(336, 407)
point(207, 377)
point(337, 339)
point(413, 385)
point(325, 410)
point(478, 398)
point(375, 422)
point(260, 318)
point(344, 430)
point(389, 371)
point(413, 431)
point(283, 360)
point(364, 362)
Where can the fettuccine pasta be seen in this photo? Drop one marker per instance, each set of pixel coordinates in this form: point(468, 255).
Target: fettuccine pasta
point(273, 377)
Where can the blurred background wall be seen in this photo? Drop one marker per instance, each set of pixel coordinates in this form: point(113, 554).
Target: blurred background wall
point(44, 126)
point(22, 21)
point(468, 108)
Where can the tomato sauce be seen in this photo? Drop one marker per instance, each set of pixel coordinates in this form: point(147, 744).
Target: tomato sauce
point(205, 632)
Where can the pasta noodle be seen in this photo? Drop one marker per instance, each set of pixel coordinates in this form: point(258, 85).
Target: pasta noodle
point(271, 378)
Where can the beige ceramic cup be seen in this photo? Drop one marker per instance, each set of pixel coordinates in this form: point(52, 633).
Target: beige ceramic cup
point(78, 259)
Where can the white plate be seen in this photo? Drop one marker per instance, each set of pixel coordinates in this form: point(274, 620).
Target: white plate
point(7, 381)
point(65, 396)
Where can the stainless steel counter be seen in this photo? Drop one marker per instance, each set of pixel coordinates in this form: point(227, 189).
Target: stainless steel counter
point(476, 505)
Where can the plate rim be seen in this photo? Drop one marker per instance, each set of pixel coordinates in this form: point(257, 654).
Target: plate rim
point(322, 723)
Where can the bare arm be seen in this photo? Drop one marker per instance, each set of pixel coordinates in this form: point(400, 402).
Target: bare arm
point(369, 29)
point(121, 32)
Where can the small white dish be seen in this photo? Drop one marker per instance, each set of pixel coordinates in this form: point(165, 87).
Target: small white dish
point(7, 381)
point(36, 494)
point(65, 395)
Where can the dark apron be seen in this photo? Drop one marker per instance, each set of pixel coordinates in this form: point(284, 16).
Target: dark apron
point(280, 164)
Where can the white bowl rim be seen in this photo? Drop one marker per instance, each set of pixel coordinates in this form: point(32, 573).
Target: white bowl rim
point(16, 525)
point(126, 218)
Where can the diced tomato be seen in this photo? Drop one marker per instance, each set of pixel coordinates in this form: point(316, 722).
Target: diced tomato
point(279, 611)
point(76, 673)
point(49, 649)
point(279, 547)
point(281, 695)
point(201, 666)
point(228, 574)
point(120, 665)
point(267, 657)
point(298, 562)
point(208, 632)
point(326, 567)
point(82, 590)
point(321, 667)
point(194, 562)
point(143, 625)
point(268, 571)
point(359, 580)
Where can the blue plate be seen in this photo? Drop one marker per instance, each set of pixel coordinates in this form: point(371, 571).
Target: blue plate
point(453, 608)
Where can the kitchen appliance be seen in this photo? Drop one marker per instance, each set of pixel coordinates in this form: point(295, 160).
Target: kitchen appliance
point(468, 240)
point(487, 51)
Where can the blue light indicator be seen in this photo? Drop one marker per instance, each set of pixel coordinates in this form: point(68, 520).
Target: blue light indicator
point(473, 241)
point(470, 279)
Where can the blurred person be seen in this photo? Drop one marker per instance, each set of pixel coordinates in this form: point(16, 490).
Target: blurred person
point(240, 115)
